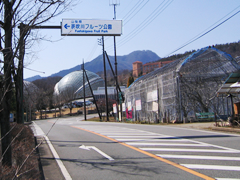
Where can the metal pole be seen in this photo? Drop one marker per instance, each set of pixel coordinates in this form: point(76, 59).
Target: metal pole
point(116, 77)
point(93, 95)
point(105, 79)
point(116, 73)
point(112, 70)
point(84, 101)
point(119, 94)
point(232, 107)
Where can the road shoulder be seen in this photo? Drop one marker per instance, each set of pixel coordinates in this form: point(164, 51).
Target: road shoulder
point(48, 162)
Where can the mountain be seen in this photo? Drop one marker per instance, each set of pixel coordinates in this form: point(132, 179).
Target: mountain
point(124, 62)
point(33, 78)
point(96, 65)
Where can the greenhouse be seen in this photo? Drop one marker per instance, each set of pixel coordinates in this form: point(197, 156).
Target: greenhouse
point(72, 84)
point(179, 90)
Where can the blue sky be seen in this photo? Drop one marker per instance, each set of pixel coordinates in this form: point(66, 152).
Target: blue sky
point(156, 25)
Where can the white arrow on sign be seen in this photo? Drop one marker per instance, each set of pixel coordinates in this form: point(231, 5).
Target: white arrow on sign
point(96, 149)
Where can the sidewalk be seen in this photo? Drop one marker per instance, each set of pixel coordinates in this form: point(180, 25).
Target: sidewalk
point(209, 126)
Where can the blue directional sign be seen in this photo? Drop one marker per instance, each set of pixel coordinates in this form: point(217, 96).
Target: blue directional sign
point(86, 27)
point(66, 26)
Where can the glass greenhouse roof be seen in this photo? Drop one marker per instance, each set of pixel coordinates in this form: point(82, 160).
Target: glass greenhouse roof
point(74, 81)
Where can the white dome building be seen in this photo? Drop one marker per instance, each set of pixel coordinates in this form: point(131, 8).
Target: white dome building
point(74, 82)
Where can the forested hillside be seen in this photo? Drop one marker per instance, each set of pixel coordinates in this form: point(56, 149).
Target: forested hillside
point(231, 48)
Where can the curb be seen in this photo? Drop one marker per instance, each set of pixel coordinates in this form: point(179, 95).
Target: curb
point(39, 160)
point(225, 129)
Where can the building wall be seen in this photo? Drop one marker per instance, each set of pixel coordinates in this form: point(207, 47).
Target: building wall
point(137, 68)
point(149, 67)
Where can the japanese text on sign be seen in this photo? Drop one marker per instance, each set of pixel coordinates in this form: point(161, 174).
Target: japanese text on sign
point(91, 27)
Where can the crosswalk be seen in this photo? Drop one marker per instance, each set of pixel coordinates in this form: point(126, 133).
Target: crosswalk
point(192, 154)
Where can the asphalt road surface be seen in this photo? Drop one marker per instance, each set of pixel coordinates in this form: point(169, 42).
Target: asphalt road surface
point(87, 150)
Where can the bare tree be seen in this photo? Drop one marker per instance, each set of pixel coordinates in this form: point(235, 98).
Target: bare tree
point(199, 95)
point(12, 13)
point(57, 104)
point(31, 93)
point(41, 102)
point(101, 103)
point(68, 95)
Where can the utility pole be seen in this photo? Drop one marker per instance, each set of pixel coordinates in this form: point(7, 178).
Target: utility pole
point(84, 101)
point(101, 42)
point(114, 4)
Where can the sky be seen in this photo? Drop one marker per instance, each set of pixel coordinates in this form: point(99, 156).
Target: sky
point(162, 26)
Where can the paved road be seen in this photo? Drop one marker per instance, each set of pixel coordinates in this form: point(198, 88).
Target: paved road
point(101, 150)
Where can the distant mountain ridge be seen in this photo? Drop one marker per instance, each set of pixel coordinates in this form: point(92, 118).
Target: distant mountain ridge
point(96, 65)
point(33, 78)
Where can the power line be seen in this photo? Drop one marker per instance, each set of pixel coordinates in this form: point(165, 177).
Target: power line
point(34, 70)
point(134, 7)
point(128, 5)
point(160, 8)
point(135, 13)
point(95, 46)
point(199, 36)
point(149, 19)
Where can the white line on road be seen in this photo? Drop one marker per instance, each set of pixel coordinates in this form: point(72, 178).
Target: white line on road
point(57, 158)
point(212, 167)
point(189, 150)
point(127, 134)
point(226, 179)
point(162, 140)
point(165, 144)
point(37, 130)
point(54, 152)
point(134, 136)
point(199, 157)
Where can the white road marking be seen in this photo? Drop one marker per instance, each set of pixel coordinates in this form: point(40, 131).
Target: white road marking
point(226, 179)
point(188, 150)
point(162, 140)
point(141, 139)
point(96, 149)
point(63, 169)
point(134, 136)
point(37, 130)
point(126, 134)
point(212, 167)
point(199, 157)
point(164, 144)
point(57, 158)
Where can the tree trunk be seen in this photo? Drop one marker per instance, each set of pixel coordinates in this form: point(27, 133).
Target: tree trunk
point(19, 77)
point(7, 85)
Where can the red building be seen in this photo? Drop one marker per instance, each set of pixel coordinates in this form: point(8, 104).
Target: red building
point(139, 68)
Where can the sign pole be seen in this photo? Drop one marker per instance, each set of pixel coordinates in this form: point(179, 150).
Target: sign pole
point(84, 101)
point(105, 78)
